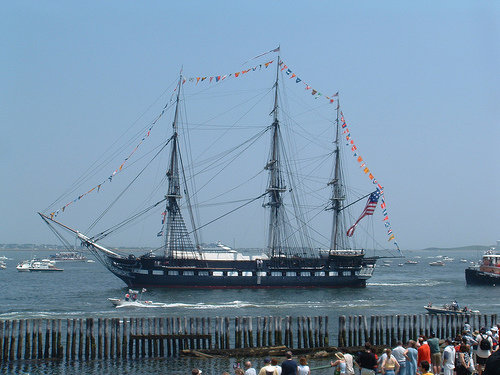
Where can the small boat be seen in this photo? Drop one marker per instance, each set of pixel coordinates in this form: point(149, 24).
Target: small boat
point(438, 263)
point(411, 262)
point(464, 261)
point(68, 256)
point(24, 266)
point(451, 308)
point(3, 257)
point(448, 259)
point(133, 299)
point(2, 265)
point(44, 265)
point(400, 264)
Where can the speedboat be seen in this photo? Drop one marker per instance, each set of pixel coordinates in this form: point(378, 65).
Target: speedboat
point(2, 265)
point(133, 299)
point(451, 308)
point(411, 262)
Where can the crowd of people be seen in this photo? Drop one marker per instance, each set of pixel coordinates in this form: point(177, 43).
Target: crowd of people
point(467, 354)
point(470, 353)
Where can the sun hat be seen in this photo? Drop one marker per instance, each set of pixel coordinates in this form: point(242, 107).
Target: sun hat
point(339, 355)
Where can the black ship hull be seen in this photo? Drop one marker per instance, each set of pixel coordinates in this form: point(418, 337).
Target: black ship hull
point(474, 276)
point(159, 272)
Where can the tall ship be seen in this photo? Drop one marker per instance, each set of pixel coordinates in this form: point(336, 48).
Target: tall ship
point(487, 272)
point(289, 259)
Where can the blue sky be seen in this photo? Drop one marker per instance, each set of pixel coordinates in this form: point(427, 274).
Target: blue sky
point(419, 83)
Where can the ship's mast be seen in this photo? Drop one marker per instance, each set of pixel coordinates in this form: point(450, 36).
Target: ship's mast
point(338, 195)
point(276, 184)
point(176, 235)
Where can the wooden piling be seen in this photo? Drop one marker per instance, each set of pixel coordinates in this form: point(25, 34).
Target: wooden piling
point(87, 339)
point(100, 349)
point(5, 354)
point(149, 332)
point(125, 341)
point(20, 338)
point(342, 333)
point(27, 340)
point(250, 332)
point(161, 348)
point(106, 338)
point(60, 349)
point(12, 344)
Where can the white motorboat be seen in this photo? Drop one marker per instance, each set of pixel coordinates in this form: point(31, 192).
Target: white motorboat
point(438, 263)
point(44, 265)
point(2, 265)
point(24, 266)
point(411, 262)
point(133, 299)
point(452, 308)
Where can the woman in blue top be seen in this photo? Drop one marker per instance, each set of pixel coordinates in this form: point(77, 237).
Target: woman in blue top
point(411, 353)
point(340, 364)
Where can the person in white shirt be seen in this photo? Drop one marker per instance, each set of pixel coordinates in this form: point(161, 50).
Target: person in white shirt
point(448, 357)
point(399, 353)
point(249, 370)
point(483, 351)
point(268, 368)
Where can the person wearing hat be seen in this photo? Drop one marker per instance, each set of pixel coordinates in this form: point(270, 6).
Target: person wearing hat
point(494, 331)
point(268, 368)
point(449, 357)
point(483, 351)
point(340, 363)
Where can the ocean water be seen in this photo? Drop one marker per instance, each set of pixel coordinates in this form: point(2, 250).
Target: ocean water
point(83, 288)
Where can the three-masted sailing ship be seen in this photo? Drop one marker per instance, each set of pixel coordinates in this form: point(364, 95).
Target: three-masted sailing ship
point(183, 262)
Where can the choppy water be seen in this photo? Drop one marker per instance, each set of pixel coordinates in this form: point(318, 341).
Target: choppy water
point(83, 288)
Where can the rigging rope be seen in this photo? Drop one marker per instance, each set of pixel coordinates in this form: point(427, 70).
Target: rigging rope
point(127, 187)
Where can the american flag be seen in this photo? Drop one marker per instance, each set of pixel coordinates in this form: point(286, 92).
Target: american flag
point(369, 209)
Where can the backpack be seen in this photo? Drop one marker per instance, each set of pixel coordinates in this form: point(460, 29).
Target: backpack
point(485, 343)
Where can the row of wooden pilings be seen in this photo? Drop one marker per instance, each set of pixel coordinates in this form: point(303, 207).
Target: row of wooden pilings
point(84, 339)
point(103, 338)
point(387, 330)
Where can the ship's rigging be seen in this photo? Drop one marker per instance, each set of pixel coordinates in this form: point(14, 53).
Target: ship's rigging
point(288, 227)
